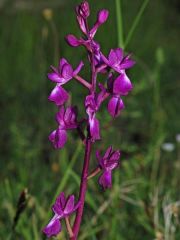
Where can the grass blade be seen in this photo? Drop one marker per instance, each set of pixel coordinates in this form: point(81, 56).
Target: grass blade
point(119, 24)
point(135, 22)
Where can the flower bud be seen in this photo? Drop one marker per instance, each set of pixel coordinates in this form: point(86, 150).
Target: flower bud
point(83, 10)
point(72, 40)
point(103, 16)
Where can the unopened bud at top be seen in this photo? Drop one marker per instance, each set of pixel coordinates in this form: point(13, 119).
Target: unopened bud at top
point(103, 16)
point(83, 10)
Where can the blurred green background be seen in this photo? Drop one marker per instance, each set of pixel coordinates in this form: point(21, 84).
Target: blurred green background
point(144, 202)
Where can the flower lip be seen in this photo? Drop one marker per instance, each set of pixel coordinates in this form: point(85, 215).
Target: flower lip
point(53, 228)
point(115, 106)
point(122, 84)
point(58, 95)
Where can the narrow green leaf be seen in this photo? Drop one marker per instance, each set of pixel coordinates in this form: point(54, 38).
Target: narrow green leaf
point(119, 19)
point(135, 22)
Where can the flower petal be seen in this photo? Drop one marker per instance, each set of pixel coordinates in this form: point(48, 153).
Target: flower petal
point(115, 156)
point(115, 105)
point(53, 228)
point(119, 54)
point(101, 95)
point(94, 129)
point(127, 62)
point(103, 160)
point(122, 85)
point(70, 118)
point(58, 95)
point(62, 62)
point(58, 138)
point(72, 41)
point(103, 16)
point(60, 116)
point(59, 205)
point(113, 161)
point(67, 72)
point(78, 69)
point(55, 77)
point(115, 56)
point(108, 152)
point(82, 24)
point(105, 179)
point(69, 207)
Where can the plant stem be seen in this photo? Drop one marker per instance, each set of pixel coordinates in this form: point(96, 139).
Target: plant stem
point(94, 173)
point(83, 188)
point(68, 226)
point(135, 22)
point(119, 24)
point(84, 176)
point(82, 81)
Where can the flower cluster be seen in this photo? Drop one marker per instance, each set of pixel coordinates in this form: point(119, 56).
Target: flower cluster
point(116, 84)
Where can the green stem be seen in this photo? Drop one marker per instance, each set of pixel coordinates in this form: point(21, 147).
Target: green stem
point(119, 23)
point(135, 22)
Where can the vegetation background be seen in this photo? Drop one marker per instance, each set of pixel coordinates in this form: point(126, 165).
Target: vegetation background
point(144, 202)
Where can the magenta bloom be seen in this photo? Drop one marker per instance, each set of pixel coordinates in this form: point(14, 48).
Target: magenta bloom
point(62, 208)
point(66, 119)
point(62, 75)
point(92, 104)
point(117, 61)
point(112, 85)
point(107, 163)
point(117, 87)
point(88, 41)
point(91, 109)
point(101, 19)
point(115, 106)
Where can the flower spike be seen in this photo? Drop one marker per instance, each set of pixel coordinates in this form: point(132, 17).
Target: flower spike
point(115, 86)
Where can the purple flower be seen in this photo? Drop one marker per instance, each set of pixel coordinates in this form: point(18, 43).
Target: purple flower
point(122, 84)
point(62, 208)
point(117, 61)
point(62, 75)
point(91, 45)
point(66, 119)
point(117, 87)
point(91, 109)
point(101, 18)
point(92, 104)
point(115, 106)
point(107, 163)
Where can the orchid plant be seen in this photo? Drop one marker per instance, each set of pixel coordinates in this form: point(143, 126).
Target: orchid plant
point(117, 84)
